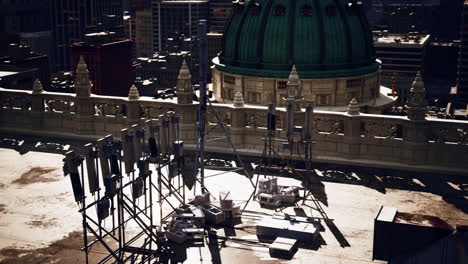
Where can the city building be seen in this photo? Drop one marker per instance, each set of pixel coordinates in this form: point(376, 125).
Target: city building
point(19, 59)
point(69, 20)
point(264, 39)
point(163, 66)
point(220, 12)
point(143, 33)
point(24, 16)
point(402, 56)
point(461, 89)
point(215, 43)
point(17, 78)
point(172, 17)
point(29, 20)
point(439, 18)
point(109, 63)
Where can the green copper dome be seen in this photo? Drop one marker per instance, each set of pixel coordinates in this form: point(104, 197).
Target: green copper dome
point(323, 38)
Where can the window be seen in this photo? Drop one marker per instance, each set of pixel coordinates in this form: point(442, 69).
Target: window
point(253, 97)
point(230, 93)
point(306, 10)
point(281, 85)
point(229, 79)
point(323, 100)
point(279, 10)
point(354, 84)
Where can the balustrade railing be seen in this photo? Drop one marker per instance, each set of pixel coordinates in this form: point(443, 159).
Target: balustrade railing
point(338, 128)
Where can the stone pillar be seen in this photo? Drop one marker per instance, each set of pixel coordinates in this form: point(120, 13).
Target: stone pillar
point(133, 106)
point(352, 129)
point(184, 85)
point(186, 109)
point(238, 121)
point(37, 105)
point(293, 99)
point(417, 105)
point(84, 108)
point(188, 122)
point(294, 88)
point(415, 129)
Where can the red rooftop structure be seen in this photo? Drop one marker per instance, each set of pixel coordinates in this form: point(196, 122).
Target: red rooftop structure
point(109, 64)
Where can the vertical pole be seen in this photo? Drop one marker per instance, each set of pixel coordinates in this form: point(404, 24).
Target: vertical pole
point(202, 103)
point(96, 160)
point(83, 201)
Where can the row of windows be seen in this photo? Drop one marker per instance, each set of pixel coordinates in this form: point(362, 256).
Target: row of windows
point(350, 84)
point(321, 99)
point(306, 10)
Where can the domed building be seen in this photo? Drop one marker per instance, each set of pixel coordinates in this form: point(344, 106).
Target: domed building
point(328, 41)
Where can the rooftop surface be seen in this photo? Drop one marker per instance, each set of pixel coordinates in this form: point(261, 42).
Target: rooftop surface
point(401, 40)
point(40, 223)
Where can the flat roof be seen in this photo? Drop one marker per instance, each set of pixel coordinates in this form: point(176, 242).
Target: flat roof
point(401, 40)
point(7, 73)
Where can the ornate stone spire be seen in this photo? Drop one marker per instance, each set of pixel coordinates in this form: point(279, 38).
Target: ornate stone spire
point(294, 88)
point(184, 85)
point(184, 72)
point(353, 107)
point(417, 105)
point(83, 84)
point(37, 87)
point(294, 77)
point(238, 100)
point(133, 93)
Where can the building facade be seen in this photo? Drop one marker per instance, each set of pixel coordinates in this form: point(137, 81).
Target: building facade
point(173, 17)
point(462, 75)
point(220, 13)
point(402, 56)
point(69, 20)
point(20, 59)
point(144, 33)
point(329, 42)
point(109, 63)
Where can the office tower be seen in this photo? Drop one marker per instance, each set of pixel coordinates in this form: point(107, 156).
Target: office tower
point(109, 64)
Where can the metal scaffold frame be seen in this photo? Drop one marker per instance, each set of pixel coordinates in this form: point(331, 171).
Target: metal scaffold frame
point(126, 195)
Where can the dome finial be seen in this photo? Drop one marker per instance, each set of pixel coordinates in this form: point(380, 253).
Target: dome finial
point(238, 100)
point(133, 93)
point(37, 87)
point(184, 72)
point(83, 83)
point(293, 76)
point(353, 107)
point(418, 84)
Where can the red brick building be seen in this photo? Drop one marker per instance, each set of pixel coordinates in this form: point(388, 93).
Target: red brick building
point(109, 64)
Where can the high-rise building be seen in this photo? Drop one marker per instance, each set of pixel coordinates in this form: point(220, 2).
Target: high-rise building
point(24, 16)
point(144, 33)
point(70, 18)
point(439, 18)
point(220, 12)
point(109, 64)
point(462, 79)
point(402, 56)
point(30, 21)
point(172, 17)
point(19, 58)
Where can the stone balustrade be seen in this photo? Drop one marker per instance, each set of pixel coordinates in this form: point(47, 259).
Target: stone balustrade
point(411, 142)
point(376, 140)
